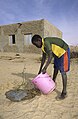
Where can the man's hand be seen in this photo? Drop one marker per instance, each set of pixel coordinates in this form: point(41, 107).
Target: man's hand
point(43, 70)
point(39, 72)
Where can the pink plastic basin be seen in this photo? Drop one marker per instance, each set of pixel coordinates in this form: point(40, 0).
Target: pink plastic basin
point(44, 83)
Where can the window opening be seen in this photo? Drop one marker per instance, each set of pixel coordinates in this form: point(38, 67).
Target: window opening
point(12, 39)
point(27, 39)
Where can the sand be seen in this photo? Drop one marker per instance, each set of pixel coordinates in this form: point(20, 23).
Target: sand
point(19, 69)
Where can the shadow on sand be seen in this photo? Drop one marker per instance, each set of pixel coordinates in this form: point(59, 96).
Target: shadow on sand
point(25, 90)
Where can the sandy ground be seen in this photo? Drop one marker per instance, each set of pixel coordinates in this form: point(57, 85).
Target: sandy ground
point(12, 68)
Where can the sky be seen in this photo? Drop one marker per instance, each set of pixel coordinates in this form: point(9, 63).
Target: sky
point(61, 13)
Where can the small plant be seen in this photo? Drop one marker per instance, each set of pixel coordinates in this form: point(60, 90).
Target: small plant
point(24, 82)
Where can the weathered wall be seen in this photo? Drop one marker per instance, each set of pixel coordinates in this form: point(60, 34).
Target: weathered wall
point(41, 27)
point(34, 27)
point(51, 30)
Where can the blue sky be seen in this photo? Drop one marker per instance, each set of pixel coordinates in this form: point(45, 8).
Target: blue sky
point(61, 13)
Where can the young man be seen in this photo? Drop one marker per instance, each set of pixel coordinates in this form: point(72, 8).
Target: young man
point(57, 48)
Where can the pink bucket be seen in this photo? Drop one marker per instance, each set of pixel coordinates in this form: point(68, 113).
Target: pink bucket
point(44, 83)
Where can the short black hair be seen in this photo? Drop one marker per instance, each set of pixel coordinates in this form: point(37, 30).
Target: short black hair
point(35, 38)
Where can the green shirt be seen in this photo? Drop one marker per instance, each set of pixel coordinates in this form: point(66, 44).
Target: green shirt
point(54, 44)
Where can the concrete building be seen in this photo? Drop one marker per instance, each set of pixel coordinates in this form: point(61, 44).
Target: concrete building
point(17, 37)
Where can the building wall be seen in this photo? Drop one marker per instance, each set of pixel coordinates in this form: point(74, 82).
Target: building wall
point(41, 27)
point(51, 30)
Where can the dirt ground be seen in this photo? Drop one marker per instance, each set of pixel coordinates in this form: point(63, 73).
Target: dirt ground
point(15, 69)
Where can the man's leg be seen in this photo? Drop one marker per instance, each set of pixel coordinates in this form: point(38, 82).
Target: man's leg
point(64, 80)
point(55, 74)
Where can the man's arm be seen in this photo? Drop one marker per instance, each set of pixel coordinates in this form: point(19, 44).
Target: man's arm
point(50, 54)
point(42, 61)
